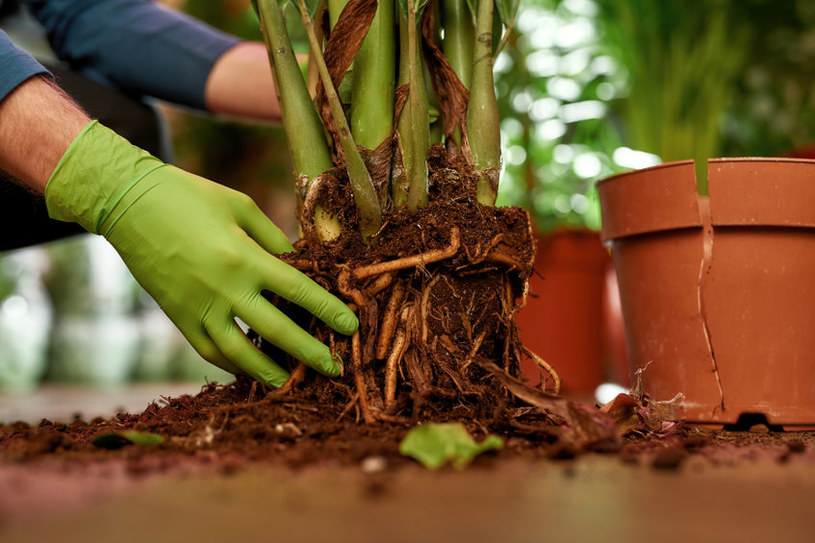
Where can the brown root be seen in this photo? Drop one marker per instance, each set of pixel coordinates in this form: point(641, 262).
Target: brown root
point(414, 261)
point(296, 377)
point(362, 392)
point(413, 323)
point(389, 320)
point(436, 297)
point(499, 257)
point(473, 351)
point(417, 294)
point(549, 370)
point(395, 357)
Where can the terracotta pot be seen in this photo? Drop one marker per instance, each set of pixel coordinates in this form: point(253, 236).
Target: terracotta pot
point(562, 321)
point(718, 291)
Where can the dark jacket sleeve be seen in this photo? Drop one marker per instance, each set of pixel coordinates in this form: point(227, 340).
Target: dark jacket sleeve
point(15, 65)
point(135, 45)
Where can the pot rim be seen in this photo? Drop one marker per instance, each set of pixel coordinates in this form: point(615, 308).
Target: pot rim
point(744, 191)
point(717, 160)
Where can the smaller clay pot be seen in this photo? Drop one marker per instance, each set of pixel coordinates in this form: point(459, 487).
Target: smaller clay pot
point(562, 321)
point(718, 291)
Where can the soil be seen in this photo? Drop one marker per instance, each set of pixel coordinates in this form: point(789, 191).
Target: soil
point(229, 427)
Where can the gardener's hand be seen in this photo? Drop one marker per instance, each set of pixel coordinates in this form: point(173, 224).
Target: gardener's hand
point(203, 251)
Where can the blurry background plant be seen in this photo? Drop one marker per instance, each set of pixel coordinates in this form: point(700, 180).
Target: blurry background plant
point(555, 83)
point(682, 65)
point(594, 87)
point(773, 108)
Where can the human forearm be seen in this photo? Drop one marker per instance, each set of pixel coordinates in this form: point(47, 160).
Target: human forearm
point(240, 84)
point(145, 49)
point(37, 124)
point(135, 45)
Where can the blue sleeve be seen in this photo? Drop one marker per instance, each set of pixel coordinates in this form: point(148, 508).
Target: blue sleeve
point(15, 65)
point(135, 45)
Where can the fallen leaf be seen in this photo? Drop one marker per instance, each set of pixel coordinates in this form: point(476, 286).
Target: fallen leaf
point(435, 444)
point(117, 440)
point(637, 412)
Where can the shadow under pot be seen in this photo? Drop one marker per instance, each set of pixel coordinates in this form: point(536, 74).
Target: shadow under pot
point(718, 291)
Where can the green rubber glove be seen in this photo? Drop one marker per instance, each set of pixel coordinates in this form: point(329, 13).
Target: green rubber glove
point(203, 251)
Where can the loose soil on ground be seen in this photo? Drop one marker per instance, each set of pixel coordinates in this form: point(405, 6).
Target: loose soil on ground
point(231, 427)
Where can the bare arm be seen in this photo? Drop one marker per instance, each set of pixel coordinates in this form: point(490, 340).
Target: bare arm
point(240, 84)
point(38, 121)
point(37, 124)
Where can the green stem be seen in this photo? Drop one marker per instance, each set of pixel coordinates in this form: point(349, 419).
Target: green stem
point(373, 83)
point(312, 74)
point(483, 127)
point(435, 128)
point(510, 28)
point(370, 215)
point(304, 130)
point(335, 8)
point(414, 121)
point(459, 36)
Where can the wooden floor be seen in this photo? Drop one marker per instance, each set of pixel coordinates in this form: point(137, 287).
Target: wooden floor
point(594, 499)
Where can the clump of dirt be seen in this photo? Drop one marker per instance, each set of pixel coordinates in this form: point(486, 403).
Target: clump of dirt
point(436, 294)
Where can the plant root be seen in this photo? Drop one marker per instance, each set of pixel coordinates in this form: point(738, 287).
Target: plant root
point(395, 357)
point(362, 396)
point(296, 377)
point(549, 370)
point(437, 338)
point(421, 259)
point(389, 320)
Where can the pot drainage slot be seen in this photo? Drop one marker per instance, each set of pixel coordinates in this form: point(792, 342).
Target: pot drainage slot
point(749, 421)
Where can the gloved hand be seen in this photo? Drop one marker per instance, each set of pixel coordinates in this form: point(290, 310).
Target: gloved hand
point(203, 251)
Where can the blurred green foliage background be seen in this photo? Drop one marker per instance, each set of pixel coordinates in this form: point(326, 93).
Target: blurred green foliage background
point(600, 86)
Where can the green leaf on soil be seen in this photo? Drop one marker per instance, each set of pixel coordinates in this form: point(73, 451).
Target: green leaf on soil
point(435, 444)
point(117, 440)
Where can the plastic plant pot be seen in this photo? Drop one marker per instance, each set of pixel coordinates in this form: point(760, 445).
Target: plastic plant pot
point(563, 318)
point(718, 291)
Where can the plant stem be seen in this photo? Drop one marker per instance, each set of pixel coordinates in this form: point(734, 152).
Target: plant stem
point(483, 127)
point(335, 8)
point(414, 122)
point(510, 28)
point(435, 127)
point(313, 74)
point(370, 215)
point(458, 38)
point(374, 75)
point(304, 130)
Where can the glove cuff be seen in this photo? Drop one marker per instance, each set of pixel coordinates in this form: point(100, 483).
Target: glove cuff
point(93, 175)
